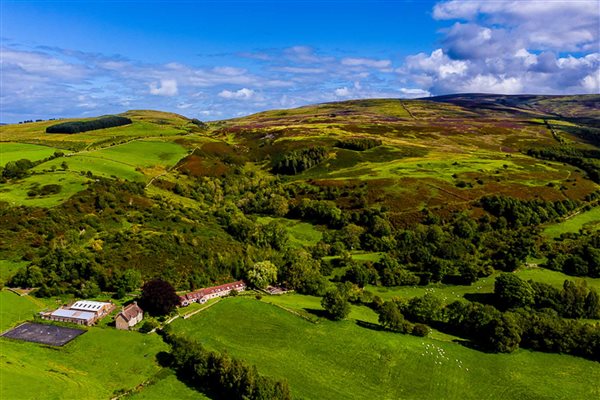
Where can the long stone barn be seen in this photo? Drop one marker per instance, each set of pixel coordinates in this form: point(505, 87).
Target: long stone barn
point(203, 295)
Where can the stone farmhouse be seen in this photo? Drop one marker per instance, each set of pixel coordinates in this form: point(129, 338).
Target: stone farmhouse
point(203, 295)
point(82, 312)
point(129, 316)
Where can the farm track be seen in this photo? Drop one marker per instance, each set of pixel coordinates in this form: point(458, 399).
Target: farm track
point(174, 167)
point(191, 314)
point(408, 111)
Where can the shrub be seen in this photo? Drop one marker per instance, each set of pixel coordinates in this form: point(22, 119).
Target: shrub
point(420, 330)
point(148, 325)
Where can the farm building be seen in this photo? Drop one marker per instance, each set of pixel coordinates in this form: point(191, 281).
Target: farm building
point(129, 316)
point(100, 309)
point(83, 312)
point(72, 316)
point(202, 295)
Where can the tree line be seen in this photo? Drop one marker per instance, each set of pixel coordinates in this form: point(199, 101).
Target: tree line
point(493, 330)
point(526, 212)
point(84, 126)
point(221, 375)
point(358, 144)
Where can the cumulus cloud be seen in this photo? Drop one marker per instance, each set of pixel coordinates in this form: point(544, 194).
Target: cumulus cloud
point(167, 87)
point(591, 83)
point(242, 94)
point(511, 47)
point(342, 92)
point(555, 25)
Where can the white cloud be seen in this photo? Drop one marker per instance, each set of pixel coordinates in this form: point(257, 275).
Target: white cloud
point(437, 63)
point(229, 71)
point(591, 83)
point(528, 58)
point(168, 87)
point(366, 62)
point(414, 93)
point(242, 94)
point(342, 92)
point(565, 25)
point(510, 47)
point(44, 66)
point(300, 70)
point(492, 84)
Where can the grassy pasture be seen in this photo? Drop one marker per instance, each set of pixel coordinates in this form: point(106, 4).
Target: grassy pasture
point(141, 153)
point(167, 386)
point(123, 161)
point(342, 360)
point(450, 293)
point(300, 233)
point(587, 219)
point(15, 308)
point(15, 193)
point(97, 165)
point(16, 151)
point(94, 366)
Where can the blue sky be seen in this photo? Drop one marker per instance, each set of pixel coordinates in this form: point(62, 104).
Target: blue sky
point(220, 59)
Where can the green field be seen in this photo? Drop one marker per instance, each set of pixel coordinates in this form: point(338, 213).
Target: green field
point(587, 219)
point(15, 308)
point(16, 151)
point(330, 360)
point(300, 233)
point(15, 193)
point(167, 386)
point(125, 161)
point(142, 153)
point(96, 365)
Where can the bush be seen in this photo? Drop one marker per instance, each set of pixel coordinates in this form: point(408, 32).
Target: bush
point(148, 326)
point(420, 330)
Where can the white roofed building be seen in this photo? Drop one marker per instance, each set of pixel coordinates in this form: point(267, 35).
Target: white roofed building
point(97, 307)
point(82, 312)
point(72, 316)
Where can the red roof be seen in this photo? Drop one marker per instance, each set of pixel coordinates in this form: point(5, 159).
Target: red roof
point(198, 294)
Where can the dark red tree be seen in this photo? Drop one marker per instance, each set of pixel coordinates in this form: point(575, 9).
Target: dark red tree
point(158, 297)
